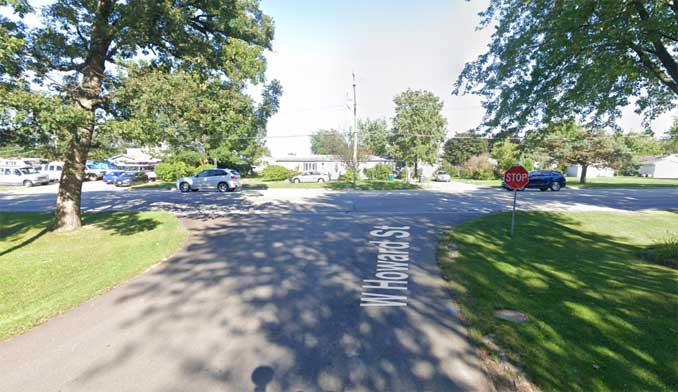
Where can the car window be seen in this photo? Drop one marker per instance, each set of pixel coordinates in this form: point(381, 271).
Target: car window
point(17, 172)
point(203, 173)
point(216, 173)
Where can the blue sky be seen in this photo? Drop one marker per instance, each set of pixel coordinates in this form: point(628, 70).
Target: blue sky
point(391, 45)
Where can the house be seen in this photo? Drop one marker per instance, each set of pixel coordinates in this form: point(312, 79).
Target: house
point(665, 166)
point(330, 164)
point(133, 156)
point(591, 171)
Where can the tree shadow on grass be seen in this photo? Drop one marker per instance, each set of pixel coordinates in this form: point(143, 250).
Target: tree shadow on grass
point(123, 223)
point(599, 316)
point(14, 226)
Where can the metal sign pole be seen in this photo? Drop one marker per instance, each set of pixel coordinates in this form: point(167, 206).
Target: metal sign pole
point(513, 217)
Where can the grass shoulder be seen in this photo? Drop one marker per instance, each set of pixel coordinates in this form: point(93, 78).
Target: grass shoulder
point(600, 316)
point(163, 185)
point(43, 273)
point(254, 184)
point(623, 182)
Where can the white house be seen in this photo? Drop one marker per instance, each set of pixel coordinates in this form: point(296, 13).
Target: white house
point(660, 167)
point(133, 156)
point(591, 171)
point(323, 163)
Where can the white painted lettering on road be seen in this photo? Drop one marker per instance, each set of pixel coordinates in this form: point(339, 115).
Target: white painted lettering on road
point(391, 272)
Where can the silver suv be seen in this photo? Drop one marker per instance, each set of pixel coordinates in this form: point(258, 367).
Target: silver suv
point(223, 180)
point(311, 176)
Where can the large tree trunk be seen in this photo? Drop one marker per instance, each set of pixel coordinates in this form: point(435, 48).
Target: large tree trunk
point(582, 179)
point(67, 216)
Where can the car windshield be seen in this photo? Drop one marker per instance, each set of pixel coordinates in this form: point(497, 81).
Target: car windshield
point(442, 172)
point(25, 170)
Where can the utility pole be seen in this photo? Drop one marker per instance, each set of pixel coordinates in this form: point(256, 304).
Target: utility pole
point(355, 137)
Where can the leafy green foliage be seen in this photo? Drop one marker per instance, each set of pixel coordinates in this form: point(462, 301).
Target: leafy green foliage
point(505, 152)
point(569, 143)
point(373, 134)
point(458, 149)
point(327, 142)
point(666, 251)
point(418, 127)
point(172, 171)
point(552, 60)
point(378, 172)
point(276, 173)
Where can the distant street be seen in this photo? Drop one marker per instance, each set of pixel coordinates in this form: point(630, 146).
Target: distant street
point(267, 295)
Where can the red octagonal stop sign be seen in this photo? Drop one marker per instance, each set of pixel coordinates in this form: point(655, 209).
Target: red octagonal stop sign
point(516, 177)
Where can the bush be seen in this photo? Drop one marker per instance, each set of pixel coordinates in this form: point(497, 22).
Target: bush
point(478, 167)
point(172, 171)
point(202, 167)
point(276, 173)
point(378, 172)
point(665, 252)
point(348, 176)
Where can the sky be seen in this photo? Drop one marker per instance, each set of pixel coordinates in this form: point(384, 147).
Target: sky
point(391, 45)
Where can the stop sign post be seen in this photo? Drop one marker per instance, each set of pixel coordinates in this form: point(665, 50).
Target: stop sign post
point(516, 178)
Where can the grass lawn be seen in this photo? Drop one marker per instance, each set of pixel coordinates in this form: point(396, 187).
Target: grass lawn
point(43, 273)
point(483, 183)
point(8, 188)
point(335, 185)
point(622, 182)
point(156, 185)
point(601, 318)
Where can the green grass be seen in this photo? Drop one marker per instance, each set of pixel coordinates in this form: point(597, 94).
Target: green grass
point(43, 273)
point(8, 188)
point(622, 182)
point(335, 185)
point(601, 318)
point(481, 183)
point(156, 185)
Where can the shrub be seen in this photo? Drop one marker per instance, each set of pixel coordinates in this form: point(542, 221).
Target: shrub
point(478, 167)
point(202, 167)
point(172, 171)
point(348, 176)
point(378, 172)
point(666, 251)
point(276, 173)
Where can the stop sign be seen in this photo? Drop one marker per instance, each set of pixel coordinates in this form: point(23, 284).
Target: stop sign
point(516, 177)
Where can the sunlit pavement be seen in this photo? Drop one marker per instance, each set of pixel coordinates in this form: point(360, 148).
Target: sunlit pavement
point(267, 294)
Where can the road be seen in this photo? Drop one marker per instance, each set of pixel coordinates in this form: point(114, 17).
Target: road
point(267, 293)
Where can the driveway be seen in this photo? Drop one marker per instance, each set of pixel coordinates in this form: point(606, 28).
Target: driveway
point(275, 293)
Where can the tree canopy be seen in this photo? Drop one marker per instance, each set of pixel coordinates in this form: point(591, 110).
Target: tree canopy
point(82, 54)
point(554, 60)
point(373, 134)
point(462, 146)
point(418, 127)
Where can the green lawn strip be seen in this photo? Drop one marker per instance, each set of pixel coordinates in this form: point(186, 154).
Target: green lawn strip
point(8, 188)
point(43, 273)
point(622, 182)
point(254, 184)
point(601, 318)
point(156, 185)
point(481, 183)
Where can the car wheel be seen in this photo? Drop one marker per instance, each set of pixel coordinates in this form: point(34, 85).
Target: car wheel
point(543, 189)
point(222, 187)
point(184, 187)
point(321, 180)
point(555, 186)
point(28, 184)
point(296, 180)
point(92, 177)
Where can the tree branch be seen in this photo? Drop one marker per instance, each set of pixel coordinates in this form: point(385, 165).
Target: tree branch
point(662, 54)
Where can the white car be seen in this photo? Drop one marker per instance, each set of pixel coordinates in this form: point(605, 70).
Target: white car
point(443, 176)
point(311, 176)
point(53, 170)
point(223, 180)
point(25, 176)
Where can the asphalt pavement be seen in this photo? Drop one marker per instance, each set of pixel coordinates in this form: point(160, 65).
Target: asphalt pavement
point(281, 290)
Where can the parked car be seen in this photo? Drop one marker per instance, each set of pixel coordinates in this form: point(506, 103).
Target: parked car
point(93, 173)
point(223, 180)
point(129, 179)
point(311, 176)
point(544, 180)
point(110, 177)
point(25, 176)
point(53, 170)
point(442, 176)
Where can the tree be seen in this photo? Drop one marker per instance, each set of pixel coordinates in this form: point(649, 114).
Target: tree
point(327, 141)
point(554, 60)
point(82, 39)
point(418, 127)
point(505, 153)
point(670, 146)
point(572, 144)
point(462, 146)
point(373, 134)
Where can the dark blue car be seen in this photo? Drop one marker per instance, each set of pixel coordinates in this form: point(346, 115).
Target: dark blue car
point(110, 177)
point(544, 180)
